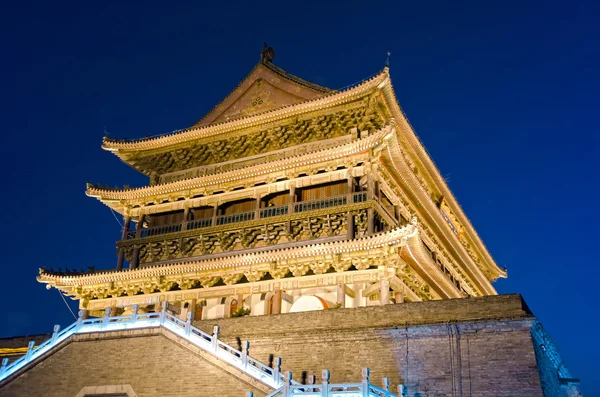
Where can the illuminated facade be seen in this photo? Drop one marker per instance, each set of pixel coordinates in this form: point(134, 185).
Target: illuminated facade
point(285, 200)
point(286, 196)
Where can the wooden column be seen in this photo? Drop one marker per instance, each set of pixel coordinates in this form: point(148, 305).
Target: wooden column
point(292, 199)
point(135, 260)
point(370, 221)
point(277, 298)
point(370, 211)
point(341, 295)
point(186, 216)
point(214, 216)
point(350, 217)
point(121, 252)
point(257, 209)
point(400, 296)
point(384, 291)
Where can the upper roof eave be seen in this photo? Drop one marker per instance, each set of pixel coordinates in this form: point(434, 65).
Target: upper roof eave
point(403, 123)
point(197, 132)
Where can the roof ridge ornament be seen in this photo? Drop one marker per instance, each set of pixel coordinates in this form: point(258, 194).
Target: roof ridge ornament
point(267, 54)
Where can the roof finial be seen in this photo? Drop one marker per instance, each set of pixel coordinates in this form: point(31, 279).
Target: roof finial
point(387, 61)
point(267, 54)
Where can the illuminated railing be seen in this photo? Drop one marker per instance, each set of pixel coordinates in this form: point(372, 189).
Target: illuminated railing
point(198, 223)
point(311, 205)
point(301, 206)
point(154, 231)
point(272, 377)
point(273, 211)
point(326, 389)
point(234, 218)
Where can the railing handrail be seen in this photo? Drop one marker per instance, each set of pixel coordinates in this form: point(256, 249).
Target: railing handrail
point(150, 231)
point(185, 329)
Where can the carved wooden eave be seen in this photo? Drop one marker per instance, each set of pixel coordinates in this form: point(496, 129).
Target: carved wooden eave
point(425, 180)
point(123, 148)
point(121, 199)
point(411, 144)
point(386, 241)
point(481, 273)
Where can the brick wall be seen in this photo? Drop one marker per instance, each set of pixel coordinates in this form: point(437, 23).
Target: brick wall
point(153, 365)
point(460, 347)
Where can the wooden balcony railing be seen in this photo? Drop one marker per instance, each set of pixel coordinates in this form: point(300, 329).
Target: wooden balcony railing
point(301, 206)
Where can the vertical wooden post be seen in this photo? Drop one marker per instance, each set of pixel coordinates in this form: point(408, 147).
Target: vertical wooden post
point(257, 208)
point(370, 221)
point(277, 297)
point(121, 252)
point(186, 216)
point(341, 295)
point(139, 226)
point(214, 216)
point(384, 291)
point(134, 315)
point(292, 198)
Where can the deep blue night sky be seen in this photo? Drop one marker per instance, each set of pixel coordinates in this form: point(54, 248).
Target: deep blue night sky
point(504, 96)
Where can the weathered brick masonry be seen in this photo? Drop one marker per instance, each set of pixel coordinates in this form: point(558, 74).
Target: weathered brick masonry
point(460, 347)
point(152, 364)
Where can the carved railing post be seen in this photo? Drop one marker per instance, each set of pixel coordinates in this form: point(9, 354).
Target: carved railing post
point(215, 338)
point(79, 321)
point(106, 317)
point(366, 373)
point(287, 384)
point(55, 332)
point(402, 391)
point(386, 384)
point(29, 351)
point(3, 367)
point(134, 315)
point(245, 351)
point(325, 377)
point(188, 324)
point(276, 369)
point(163, 312)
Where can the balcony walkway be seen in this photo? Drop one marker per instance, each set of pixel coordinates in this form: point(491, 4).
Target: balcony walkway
point(301, 206)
